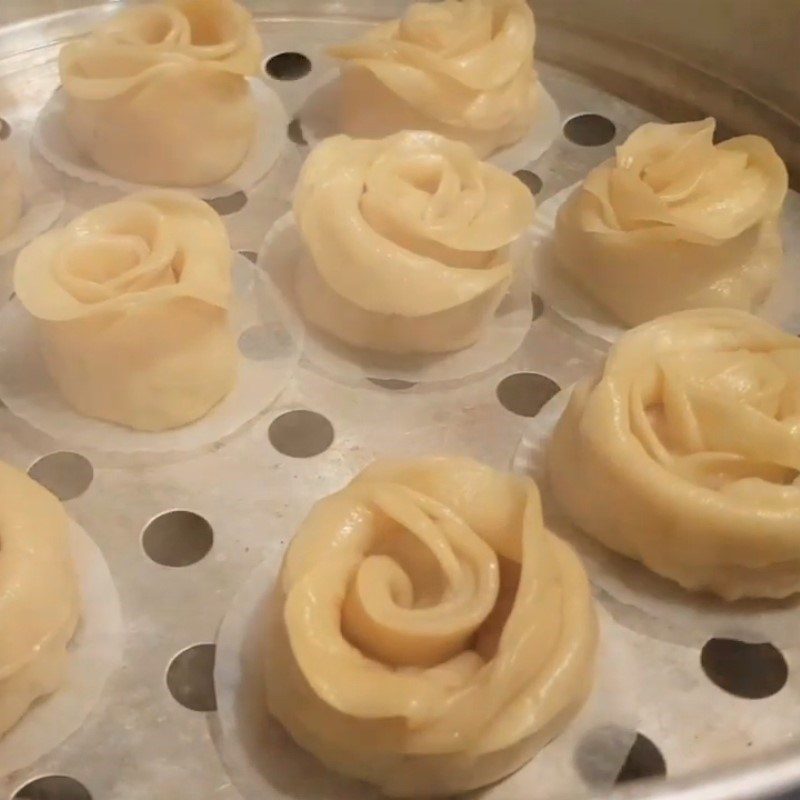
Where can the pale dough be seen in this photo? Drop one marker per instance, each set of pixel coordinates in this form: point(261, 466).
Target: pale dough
point(11, 199)
point(39, 597)
point(461, 68)
point(408, 241)
point(676, 222)
point(433, 635)
point(132, 305)
point(159, 94)
point(684, 453)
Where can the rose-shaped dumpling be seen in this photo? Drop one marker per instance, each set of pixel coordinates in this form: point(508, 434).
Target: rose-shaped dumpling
point(462, 68)
point(131, 302)
point(676, 222)
point(432, 635)
point(39, 598)
point(685, 453)
point(10, 192)
point(160, 94)
point(408, 241)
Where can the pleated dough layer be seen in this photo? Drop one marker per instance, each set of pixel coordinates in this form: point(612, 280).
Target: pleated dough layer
point(685, 453)
point(676, 222)
point(131, 302)
point(434, 635)
point(11, 201)
point(408, 241)
point(39, 598)
point(159, 94)
point(463, 69)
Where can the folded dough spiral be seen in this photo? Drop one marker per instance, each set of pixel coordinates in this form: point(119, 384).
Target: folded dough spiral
point(131, 303)
point(39, 598)
point(10, 192)
point(676, 222)
point(159, 94)
point(461, 68)
point(409, 241)
point(432, 635)
point(685, 453)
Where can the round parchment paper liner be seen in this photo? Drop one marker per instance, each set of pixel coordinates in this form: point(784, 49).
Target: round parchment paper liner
point(561, 293)
point(320, 119)
point(95, 653)
point(51, 138)
point(264, 762)
point(270, 347)
point(638, 597)
point(283, 250)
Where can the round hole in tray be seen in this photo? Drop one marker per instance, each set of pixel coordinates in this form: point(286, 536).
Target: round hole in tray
point(295, 132)
point(525, 393)
point(644, 760)
point(746, 670)
point(65, 474)
point(537, 305)
point(597, 750)
point(301, 433)
point(177, 538)
point(590, 130)
point(531, 180)
point(5, 129)
point(190, 677)
point(249, 255)
point(53, 787)
point(287, 66)
point(260, 343)
point(393, 384)
point(229, 204)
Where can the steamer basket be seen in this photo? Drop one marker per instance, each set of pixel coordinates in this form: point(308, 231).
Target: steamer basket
point(611, 65)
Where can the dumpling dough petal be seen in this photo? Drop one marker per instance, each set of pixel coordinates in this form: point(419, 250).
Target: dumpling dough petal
point(11, 202)
point(432, 635)
point(461, 69)
point(685, 453)
point(39, 598)
point(676, 222)
point(131, 302)
point(408, 240)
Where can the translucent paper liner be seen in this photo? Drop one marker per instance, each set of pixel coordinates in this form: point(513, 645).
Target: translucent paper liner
point(94, 654)
point(670, 612)
point(51, 138)
point(264, 763)
point(270, 347)
point(283, 249)
point(568, 300)
point(320, 119)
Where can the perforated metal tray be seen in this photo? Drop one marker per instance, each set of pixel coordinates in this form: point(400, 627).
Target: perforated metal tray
point(181, 535)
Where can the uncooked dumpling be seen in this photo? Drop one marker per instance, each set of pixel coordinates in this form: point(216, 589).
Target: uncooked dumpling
point(131, 303)
point(461, 68)
point(408, 241)
point(39, 598)
point(10, 192)
point(685, 453)
point(676, 222)
point(431, 635)
point(160, 95)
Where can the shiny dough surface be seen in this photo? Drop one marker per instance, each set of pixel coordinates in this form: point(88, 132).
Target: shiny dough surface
point(432, 635)
point(684, 453)
point(408, 241)
point(460, 68)
point(131, 302)
point(159, 93)
point(11, 199)
point(39, 597)
point(676, 222)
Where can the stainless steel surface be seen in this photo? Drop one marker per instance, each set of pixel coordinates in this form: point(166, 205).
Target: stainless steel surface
point(140, 742)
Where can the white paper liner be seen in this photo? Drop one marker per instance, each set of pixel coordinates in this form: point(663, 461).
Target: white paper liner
point(263, 761)
point(282, 250)
point(51, 138)
point(95, 652)
point(29, 393)
point(570, 301)
point(319, 117)
point(671, 612)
